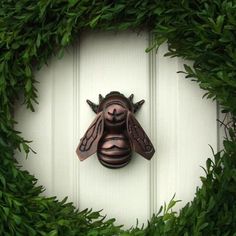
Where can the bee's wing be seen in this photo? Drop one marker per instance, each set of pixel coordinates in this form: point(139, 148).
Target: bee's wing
point(88, 144)
point(139, 140)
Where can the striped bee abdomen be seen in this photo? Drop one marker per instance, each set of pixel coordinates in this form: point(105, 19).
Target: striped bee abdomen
point(114, 150)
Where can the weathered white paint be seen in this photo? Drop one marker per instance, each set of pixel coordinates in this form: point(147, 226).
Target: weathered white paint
point(179, 122)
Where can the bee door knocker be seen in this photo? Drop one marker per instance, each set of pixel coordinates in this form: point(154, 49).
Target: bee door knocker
point(115, 132)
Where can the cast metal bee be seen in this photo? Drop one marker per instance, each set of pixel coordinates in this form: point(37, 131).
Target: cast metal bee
point(115, 132)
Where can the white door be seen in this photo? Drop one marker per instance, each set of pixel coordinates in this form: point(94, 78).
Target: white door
point(178, 121)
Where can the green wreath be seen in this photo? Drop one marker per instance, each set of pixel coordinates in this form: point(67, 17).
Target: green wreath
point(32, 31)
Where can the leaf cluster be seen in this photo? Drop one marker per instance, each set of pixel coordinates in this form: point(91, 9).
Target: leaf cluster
point(32, 31)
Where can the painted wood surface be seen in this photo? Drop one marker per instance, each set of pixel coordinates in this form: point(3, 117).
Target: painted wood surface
point(179, 122)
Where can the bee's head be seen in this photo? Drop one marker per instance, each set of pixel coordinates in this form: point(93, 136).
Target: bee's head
point(115, 98)
point(116, 101)
point(115, 113)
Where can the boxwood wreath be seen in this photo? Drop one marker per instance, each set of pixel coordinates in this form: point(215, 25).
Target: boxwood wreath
point(203, 31)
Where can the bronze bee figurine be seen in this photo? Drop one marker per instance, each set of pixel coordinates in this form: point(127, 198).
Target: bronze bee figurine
point(115, 132)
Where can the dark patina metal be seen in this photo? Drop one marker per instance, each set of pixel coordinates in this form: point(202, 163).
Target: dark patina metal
point(115, 132)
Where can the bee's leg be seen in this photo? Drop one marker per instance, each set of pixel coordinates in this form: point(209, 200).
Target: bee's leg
point(131, 98)
point(100, 98)
point(93, 106)
point(138, 105)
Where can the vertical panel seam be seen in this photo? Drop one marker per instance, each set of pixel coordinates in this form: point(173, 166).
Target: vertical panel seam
point(177, 129)
point(53, 131)
point(218, 133)
point(153, 127)
point(75, 180)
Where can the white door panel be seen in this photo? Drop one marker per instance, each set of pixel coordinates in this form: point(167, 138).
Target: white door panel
point(178, 121)
point(111, 62)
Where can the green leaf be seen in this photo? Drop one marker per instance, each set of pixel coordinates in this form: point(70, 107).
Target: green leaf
point(204, 225)
point(15, 45)
point(38, 40)
point(188, 69)
point(65, 39)
point(53, 233)
point(219, 23)
point(28, 71)
point(6, 210)
point(93, 233)
point(72, 2)
point(28, 85)
point(3, 180)
point(94, 21)
point(17, 219)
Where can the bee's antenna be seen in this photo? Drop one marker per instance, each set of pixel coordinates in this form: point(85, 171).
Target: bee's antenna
point(138, 105)
point(93, 106)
